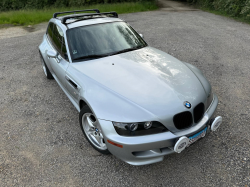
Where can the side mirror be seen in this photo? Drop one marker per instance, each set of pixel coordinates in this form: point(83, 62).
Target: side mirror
point(141, 35)
point(52, 54)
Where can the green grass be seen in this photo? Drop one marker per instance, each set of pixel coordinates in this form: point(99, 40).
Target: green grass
point(32, 17)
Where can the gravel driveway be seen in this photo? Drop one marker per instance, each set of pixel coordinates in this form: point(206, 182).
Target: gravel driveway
point(41, 143)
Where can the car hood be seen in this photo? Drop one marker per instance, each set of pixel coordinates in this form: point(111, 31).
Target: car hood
point(148, 79)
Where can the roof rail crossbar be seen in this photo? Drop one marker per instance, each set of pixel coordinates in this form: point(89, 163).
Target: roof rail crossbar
point(74, 11)
point(64, 19)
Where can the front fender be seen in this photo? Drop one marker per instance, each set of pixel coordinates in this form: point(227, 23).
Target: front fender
point(107, 105)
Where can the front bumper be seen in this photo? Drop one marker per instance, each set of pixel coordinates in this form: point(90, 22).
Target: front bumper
point(142, 150)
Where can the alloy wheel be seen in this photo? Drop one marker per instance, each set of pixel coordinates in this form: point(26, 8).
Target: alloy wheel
point(92, 131)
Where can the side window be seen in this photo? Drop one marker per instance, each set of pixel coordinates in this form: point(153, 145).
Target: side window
point(57, 38)
point(50, 31)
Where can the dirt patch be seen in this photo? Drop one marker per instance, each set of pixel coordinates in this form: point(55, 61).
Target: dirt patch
point(10, 31)
point(29, 28)
point(167, 5)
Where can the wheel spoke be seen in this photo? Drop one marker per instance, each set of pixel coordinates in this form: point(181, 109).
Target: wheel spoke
point(91, 132)
point(98, 138)
point(90, 123)
point(93, 137)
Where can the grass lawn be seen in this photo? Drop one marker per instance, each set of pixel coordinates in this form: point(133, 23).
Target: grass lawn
point(31, 17)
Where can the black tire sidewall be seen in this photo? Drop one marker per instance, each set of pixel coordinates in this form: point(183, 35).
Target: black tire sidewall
point(86, 109)
point(49, 75)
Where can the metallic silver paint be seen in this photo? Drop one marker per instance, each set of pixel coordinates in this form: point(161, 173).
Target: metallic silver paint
point(92, 22)
point(164, 142)
point(52, 54)
point(142, 85)
point(148, 84)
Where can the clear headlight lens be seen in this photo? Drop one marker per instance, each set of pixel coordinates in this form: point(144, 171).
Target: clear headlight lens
point(139, 129)
point(132, 126)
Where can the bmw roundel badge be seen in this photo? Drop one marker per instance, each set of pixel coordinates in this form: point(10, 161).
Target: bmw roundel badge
point(187, 104)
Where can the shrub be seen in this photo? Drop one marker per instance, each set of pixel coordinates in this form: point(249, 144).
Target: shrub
point(6, 5)
point(234, 8)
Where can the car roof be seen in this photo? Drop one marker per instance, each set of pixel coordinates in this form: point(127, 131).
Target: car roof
point(92, 22)
point(97, 20)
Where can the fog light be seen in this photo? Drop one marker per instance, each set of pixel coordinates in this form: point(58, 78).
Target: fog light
point(181, 144)
point(132, 126)
point(147, 125)
point(216, 123)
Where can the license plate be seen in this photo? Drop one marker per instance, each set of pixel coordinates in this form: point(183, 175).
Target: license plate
point(197, 136)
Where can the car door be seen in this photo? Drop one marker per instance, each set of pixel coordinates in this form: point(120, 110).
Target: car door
point(60, 64)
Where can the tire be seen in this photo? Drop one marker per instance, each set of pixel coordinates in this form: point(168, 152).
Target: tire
point(92, 131)
point(46, 70)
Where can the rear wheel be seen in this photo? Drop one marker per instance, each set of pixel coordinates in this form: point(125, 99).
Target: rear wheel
point(92, 131)
point(46, 70)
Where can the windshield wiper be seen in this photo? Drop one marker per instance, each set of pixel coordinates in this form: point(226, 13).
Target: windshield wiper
point(104, 55)
point(89, 57)
point(126, 50)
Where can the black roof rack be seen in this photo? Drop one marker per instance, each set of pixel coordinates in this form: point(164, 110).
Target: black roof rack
point(64, 19)
point(74, 11)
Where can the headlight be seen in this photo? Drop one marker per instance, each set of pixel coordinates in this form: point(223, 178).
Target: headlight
point(210, 99)
point(139, 129)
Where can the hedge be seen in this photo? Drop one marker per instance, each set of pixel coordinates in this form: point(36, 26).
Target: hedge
point(6, 5)
point(234, 8)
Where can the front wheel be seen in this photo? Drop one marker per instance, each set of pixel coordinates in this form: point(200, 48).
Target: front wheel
point(92, 131)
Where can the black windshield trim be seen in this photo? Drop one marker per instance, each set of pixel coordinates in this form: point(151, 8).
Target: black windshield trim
point(84, 58)
point(106, 55)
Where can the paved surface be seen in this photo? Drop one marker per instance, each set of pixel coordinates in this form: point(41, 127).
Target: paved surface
point(41, 143)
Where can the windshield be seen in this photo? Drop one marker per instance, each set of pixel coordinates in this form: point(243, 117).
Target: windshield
point(96, 41)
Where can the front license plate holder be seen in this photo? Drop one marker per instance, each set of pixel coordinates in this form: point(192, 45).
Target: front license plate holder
point(197, 136)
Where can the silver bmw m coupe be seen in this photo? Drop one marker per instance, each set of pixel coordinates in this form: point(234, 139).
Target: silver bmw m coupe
point(134, 101)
